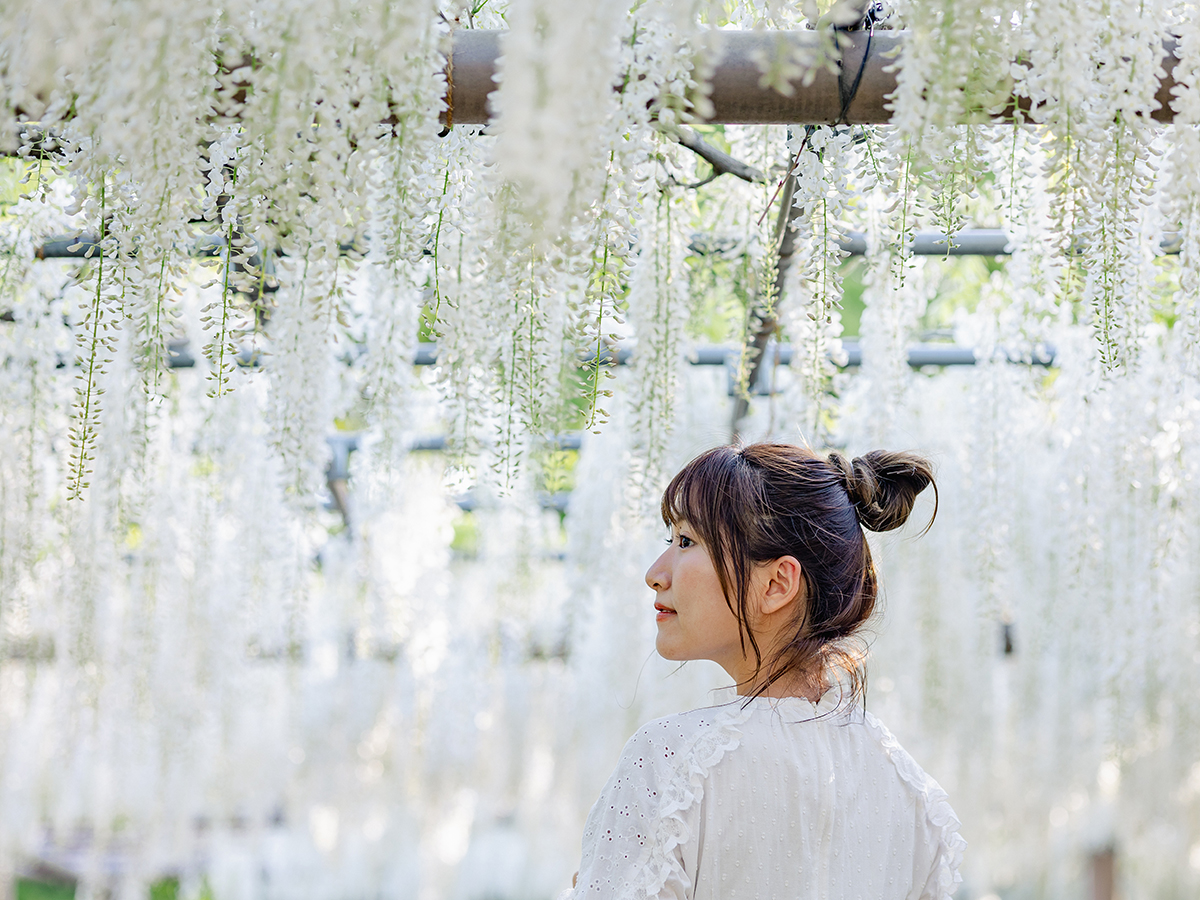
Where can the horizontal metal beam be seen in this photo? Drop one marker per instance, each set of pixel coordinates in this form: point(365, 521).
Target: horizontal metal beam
point(738, 92)
point(919, 356)
point(558, 501)
point(85, 246)
point(179, 356)
point(968, 242)
point(437, 442)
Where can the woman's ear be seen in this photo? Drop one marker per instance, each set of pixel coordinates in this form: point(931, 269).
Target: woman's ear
point(784, 584)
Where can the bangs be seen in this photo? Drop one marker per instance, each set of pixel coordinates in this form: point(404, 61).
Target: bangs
point(710, 494)
point(688, 497)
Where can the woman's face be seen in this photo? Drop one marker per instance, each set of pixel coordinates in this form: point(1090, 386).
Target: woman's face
point(694, 621)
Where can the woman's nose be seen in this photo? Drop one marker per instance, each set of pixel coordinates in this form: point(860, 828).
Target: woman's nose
point(658, 576)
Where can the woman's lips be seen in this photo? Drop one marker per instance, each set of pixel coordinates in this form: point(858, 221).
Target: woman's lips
point(662, 612)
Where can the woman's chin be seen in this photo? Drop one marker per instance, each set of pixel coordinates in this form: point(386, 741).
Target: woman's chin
point(667, 651)
point(664, 649)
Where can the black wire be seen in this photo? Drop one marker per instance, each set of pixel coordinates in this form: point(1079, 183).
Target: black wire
point(848, 96)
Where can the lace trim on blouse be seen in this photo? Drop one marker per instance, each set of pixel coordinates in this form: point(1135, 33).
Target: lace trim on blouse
point(685, 790)
point(937, 804)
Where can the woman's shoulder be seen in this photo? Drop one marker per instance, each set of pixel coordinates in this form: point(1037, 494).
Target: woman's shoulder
point(943, 824)
point(698, 737)
point(909, 770)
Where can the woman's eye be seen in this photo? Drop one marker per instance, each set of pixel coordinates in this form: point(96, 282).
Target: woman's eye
point(685, 541)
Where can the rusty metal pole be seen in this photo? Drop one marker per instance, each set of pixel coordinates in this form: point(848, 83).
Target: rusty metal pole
point(1103, 865)
point(738, 95)
point(736, 92)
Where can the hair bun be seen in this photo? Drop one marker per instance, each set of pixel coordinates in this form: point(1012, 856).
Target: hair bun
point(883, 486)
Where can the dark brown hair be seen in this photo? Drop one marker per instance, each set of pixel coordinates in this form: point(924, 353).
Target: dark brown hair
point(764, 501)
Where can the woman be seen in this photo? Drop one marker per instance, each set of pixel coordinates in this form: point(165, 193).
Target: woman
point(786, 788)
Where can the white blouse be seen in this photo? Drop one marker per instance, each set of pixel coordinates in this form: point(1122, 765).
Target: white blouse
point(780, 798)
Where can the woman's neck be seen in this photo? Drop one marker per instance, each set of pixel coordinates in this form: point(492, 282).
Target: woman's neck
point(809, 685)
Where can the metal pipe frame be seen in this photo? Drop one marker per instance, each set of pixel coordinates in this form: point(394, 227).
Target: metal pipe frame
point(180, 356)
point(968, 242)
point(919, 355)
point(737, 94)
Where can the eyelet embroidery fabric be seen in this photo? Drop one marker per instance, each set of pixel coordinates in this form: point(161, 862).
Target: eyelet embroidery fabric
point(668, 780)
point(640, 838)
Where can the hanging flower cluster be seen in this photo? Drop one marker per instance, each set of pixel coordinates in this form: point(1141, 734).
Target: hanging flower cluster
point(260, 135)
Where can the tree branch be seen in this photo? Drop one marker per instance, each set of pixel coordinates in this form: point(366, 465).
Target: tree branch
point(722, 163)
point(766, 316)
